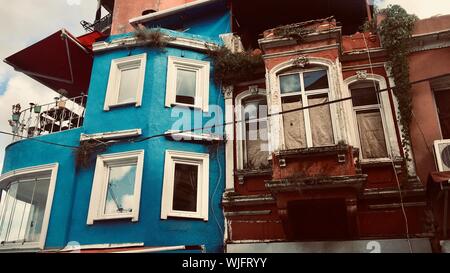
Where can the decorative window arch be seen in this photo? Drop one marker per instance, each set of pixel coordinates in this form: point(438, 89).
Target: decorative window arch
point(252, 152)
point(371, 120)
point(289, 127)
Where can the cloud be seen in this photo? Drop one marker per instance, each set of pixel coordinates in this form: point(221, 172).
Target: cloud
point(421, 8)
point(23, 23)
point(20, 89)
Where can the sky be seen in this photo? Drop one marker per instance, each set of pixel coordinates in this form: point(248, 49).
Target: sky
point(24, 22)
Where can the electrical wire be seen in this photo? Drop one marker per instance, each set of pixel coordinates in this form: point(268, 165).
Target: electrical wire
point(274, 114)
point(40, 140)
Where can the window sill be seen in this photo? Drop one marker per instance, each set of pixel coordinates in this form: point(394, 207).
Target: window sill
point(380, 162)
point(192, 137)
point(315, 151)
point(184, 215)
point(17, 247)
point(121, 105)
point(190, 106)
point(127, 216)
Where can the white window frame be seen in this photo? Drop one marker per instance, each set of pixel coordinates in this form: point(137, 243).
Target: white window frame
point(49, 170)
point(305, 95)
point(202, 70)
point(100, 185)
point(240, 126)
point(117, 65)
point(387, 117)
point(202, 161)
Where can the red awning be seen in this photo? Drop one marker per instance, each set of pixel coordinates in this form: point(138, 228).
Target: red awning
point(60, 62)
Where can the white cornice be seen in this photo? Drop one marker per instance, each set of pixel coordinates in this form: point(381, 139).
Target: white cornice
point(111, 135)
point(135, 42)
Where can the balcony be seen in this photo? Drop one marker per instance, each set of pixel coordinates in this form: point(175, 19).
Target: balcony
point(103, 25)
point(61, 115)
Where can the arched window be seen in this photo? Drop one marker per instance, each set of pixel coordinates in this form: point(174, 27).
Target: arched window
point(310, 127)
point(370, 122)
point(254, 148)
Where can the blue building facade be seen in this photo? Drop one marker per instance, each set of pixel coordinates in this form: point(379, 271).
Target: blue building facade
point(175, 186)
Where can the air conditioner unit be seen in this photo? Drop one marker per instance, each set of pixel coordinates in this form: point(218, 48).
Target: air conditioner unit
point(442, 152)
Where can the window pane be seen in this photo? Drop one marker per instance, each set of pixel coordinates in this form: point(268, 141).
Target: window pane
point(321, 125)
point(371, 134)
point(185, 187)
point(120, 193)
point(23, 211)
point(128, 85)
point(442, 99)
point(294, 123)
point(364, 94)
point(37, 210)
point(255, 144)
point(290, 83)
point(186, 84)
point(315, 80)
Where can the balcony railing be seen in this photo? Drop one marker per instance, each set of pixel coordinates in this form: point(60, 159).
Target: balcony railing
point(101, 25)
point(60, 115)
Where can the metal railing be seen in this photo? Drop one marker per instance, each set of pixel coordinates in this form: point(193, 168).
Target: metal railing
point(60, 115)
point(100, 25)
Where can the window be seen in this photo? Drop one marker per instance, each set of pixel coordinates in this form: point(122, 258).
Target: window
point(254, 132)
point(185, 189)
point(116, 188)
point(442, 98)
point(126, 81)
point(311, 127)
point(25, 204)
point(369, 119)
point(187, 83)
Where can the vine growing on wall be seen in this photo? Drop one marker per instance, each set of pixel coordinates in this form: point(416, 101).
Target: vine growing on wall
point(231, 68)
point(86, 152)
point(395, 32)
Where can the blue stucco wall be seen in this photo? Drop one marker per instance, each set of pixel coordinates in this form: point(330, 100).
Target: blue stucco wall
point(153, 118)
point(73, 188)
point(29, 153)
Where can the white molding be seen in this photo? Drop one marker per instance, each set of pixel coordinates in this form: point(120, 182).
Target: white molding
point(240, 132)
point(202, 161)
point(274, 99)
point(111, 135)
point(112, 92)
point(300, 51)
point(229, 136)
point(127, 42)
point(202, 70)
point(388, 122)
point(189, 136)
point(99, 186)
point(48, 169)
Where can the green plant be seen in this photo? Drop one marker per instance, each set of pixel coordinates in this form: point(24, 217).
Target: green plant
point(86, 151)
point(396, 31)
point(153, 38)
point(299, 31)
point(232, 68)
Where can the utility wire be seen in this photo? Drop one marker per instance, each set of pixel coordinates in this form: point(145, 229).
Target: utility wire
point(40, 140)
point(228, 123)
point(276, 114)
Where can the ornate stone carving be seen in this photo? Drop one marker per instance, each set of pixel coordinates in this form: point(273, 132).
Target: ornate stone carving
point(227, 92)
point(361, 74)
point(301, 61)
point(254, 89)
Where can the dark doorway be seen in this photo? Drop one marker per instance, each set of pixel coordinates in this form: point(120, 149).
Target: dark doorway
point(315, 220)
